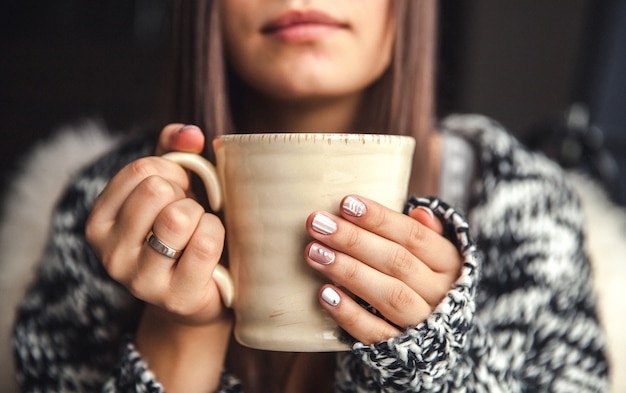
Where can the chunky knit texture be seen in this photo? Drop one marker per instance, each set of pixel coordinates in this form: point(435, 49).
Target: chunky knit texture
point(521, 317)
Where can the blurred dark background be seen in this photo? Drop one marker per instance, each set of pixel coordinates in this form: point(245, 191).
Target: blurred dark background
point(65, 60)
point(552, 72)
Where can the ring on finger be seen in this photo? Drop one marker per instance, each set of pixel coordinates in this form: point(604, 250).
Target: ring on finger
point(162, 248)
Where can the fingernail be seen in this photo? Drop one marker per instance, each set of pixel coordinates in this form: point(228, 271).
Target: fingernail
point(353, 206)
point(428, 211)
point(331, 296)
point(321, 255)
point(323, 224)
point(185, 128)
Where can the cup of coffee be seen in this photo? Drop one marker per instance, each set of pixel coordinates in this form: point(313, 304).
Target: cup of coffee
point(267, 185)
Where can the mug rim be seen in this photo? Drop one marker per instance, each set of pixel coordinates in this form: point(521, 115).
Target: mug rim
point(290, 137)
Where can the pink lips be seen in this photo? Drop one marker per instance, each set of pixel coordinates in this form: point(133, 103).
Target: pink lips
point(301, 26)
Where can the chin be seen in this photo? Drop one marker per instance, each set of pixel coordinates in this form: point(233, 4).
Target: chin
point(312, 94)
point(314, 85)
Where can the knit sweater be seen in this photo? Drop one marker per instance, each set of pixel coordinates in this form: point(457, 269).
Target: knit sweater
point(521, 316)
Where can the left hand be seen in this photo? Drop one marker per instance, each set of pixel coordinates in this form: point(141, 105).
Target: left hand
point(401, 265)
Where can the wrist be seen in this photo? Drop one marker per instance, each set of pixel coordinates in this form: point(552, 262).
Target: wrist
point(183, 357)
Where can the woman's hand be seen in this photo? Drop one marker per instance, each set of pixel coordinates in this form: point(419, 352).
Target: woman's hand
point(151, 194)
point(184, 330)
point(401, 265)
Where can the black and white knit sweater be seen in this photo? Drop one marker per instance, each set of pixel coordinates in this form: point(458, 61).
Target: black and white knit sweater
point(521, 317)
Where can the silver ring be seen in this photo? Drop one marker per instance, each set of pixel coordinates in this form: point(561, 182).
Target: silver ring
point(161, 247)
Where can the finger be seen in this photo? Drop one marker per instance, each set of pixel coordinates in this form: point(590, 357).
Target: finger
point(429, 246)
point(176, 222)
point(150, 277)
point(164, 144)
point(126, 181)
point(343, 268)
point(192, 279)
point(180, 137)
point(359, 323)
point(426, 217)
point(381, 254)
point(397, 301)
point(125, 240)
point(142, 208)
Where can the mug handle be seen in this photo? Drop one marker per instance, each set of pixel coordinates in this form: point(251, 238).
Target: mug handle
point(207, 173)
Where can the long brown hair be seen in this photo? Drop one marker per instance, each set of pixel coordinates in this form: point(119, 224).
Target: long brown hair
point(401, 101)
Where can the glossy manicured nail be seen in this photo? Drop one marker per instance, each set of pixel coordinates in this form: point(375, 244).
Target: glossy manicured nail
point(353, 206)
point(323, 224)
point(321, 255)
point(331, 296)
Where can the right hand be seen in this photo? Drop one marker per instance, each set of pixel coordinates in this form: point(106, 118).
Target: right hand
point(180, 137)
point(152, 193)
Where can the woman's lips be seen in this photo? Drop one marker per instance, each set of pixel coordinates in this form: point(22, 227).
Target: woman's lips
point(300, 26)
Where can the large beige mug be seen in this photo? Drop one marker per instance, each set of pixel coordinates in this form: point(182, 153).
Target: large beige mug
point(267, 185)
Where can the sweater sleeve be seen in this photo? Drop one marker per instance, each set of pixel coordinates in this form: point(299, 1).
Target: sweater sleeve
point(441, 353)
point(461, 348)
point(74, 318)
point(521, 317)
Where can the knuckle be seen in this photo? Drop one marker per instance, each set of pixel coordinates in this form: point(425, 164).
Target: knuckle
point(143, 167)
point(402, 298)
point(115, 265)
point(134, 286)
point(352, 272)
point(175, 219)
point(402, 263)
point(416, 233)
point(97, 226)
point(155, 187)
point(380, 218)
point(206, 247)
point(353, 239)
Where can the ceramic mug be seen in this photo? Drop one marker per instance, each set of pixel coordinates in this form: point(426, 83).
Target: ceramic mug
point(267, 185)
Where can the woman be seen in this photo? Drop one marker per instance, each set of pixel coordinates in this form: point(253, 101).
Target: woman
point(527, 323)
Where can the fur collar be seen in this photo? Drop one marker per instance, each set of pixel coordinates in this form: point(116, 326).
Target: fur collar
point(27, 206)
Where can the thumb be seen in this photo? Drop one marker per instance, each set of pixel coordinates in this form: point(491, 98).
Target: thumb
point(180, 137)
point(426, 217)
